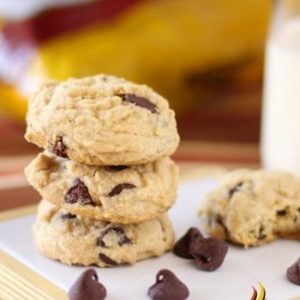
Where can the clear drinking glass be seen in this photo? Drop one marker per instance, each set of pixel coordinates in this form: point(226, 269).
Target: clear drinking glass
point(280, 140)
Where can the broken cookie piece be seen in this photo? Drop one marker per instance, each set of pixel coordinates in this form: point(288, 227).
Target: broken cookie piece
point(253, 207)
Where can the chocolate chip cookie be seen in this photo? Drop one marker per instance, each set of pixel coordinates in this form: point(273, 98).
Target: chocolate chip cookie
point(102, 120)
point(123, 194)
point(78, 240)
point(254, 207)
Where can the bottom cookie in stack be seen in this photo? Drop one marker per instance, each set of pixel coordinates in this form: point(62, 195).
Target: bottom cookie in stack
point(83, 241)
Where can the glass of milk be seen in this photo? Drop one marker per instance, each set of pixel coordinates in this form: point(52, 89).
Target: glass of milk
point(280, 140)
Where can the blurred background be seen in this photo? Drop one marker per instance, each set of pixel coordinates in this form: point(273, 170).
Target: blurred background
point(205, 56)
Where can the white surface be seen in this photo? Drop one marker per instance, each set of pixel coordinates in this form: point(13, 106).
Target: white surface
point(233, 280)
point(281, 113)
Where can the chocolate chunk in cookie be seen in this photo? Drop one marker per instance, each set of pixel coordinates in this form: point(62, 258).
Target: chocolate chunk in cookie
point(139, 101)
point(281, 212)
point(115, 168)
point(209, 253)
point(78, 193)
point(119, 188)
point(68, 216)
point(107, 260)
point(234, 189)
point(119, 232)
point(261, 234)
point(293, 272)
point(181, 247)
point(168, 287)
point(87, 287)
point(59, 148)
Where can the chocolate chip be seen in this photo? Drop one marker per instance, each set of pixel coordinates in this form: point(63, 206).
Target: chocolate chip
point(107, 260)
point(59, 148)
point(67, 216)
point(209, 253)
point(122, 238)
point(181, 248)
point(293, 272)
point(87, 287)
point(78, 193)
point(119, 188)
point(233, 190)
point(168, 287)
point(139, 101)
point(261, 233)
point(115, 168)
point(281, 212)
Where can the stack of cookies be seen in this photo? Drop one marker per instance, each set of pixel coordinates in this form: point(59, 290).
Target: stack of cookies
point(105, 174)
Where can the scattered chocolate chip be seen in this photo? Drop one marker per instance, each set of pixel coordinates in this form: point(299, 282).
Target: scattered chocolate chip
point(298, 209)
point(67, 216)
point(281, 212)
point(119, 188)
point(139, 101)
point(233, 190)
point(181, 247)
point(78, 193)
point(115, 168)
point(122, 238)
point(59, 148)
point(87, 287)
point(293, 272)
point(107, 260)
point(168, 287)
point(209, 253)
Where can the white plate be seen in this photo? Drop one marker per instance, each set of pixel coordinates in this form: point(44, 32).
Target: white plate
point(241, 270)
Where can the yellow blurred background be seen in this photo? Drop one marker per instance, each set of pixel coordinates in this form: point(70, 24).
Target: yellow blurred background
point(204, 56)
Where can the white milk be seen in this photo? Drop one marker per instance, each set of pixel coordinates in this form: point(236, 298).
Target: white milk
point(280, 146)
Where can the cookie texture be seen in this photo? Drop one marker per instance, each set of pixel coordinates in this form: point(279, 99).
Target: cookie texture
point(253, 207)
point(83, 241)
point(123, 194)
point(102, 120)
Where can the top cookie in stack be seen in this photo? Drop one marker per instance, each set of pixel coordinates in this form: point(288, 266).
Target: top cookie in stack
point(102, 120)
point(107, 144)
